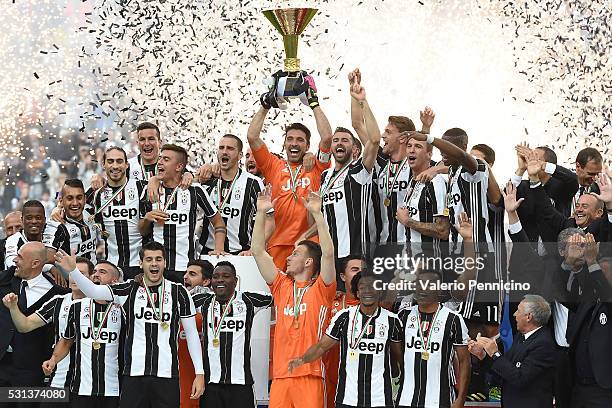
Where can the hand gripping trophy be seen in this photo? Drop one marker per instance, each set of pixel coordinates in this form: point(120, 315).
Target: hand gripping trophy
point(291, 82)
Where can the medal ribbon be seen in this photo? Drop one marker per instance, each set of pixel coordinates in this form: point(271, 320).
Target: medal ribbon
point(425, 340)
point(106, 204)
point(217, 327)
point(145, 175)
point(408, 197)
point(223, 200)
point(95, 335)
point(157, 312)
point(354, 341)
point(389, 190)
point(293, 177)
point(298, 295)
point(170, 200)
point(332, 179)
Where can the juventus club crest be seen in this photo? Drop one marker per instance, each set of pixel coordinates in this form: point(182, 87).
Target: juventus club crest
point(131, 194)
point(603, 319)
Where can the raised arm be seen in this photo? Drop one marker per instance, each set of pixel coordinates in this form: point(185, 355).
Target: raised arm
point(264, 261)
point(465, 229)
point(67, 263)
point(328, 267)
point(324, 129)
point(254, 131)
point(357, 100)
point(23, 323)
point(449, 149)
point(370, 149)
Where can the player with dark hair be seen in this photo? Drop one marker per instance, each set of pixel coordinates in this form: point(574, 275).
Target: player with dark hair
point(34, 220)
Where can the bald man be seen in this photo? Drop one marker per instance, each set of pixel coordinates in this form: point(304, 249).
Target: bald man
point(22, 354)
point(12, 225)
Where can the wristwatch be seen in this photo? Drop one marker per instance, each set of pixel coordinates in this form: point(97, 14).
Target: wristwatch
point(496, 355)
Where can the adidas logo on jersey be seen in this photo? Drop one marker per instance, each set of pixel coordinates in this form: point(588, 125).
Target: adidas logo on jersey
point(289, 309)
point(120, 212)
point(105, 336)
point(418, 344)
point(476, 313)
point(333, 197)
point(229, 212)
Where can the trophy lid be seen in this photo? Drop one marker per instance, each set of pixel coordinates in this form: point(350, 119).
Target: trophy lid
point(290, 21)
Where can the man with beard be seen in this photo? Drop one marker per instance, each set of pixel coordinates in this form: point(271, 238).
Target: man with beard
point(175, 217)
point(227, 317)
point(198, 275)
point(234, 192)
point(433, 334)
point(370, 339)
point(289, 180)
point(250, 165)
point(94, 327)
point(12, 225)
point(54, 312)
point(78, 234)
point(302, 296)
point(34, 219)
point(153, 313)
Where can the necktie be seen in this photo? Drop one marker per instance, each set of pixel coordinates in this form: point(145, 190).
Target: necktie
point(22, 302)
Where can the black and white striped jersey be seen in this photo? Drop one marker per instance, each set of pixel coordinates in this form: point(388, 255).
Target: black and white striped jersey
point(186, 208)
point(229, 362)
point(56, 311)
point(425, 201)
point(237, 210)
point(140, 171)
point(364, 375)
point(151, 344)
point(119, 219)
point(429, 382)
point(468, 193)
point(346, 198)
point(73, 236)
point(11, 247)
point(392, 183)
point(96, 369)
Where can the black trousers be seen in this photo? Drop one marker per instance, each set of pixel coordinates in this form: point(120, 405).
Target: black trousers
point(227, 396)
point(591, 396)
point(150, 392)
point(86, 401)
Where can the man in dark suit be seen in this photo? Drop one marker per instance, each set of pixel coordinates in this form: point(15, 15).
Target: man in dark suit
point(21, 355)
point(527, 369)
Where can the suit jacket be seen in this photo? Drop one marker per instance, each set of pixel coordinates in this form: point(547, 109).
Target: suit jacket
point(592, 307)
point(527, 371)
point(29, 349)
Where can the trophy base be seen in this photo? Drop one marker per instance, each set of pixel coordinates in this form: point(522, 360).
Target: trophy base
point(292, 64)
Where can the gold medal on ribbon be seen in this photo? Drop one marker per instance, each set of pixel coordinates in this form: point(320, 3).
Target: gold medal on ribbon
point(216, 342)
point(425, 355)
point(387, 202)
point(224, 312)
point(164, 325)
point(352, 355)
point(96, 345)
point(96, 331)
point(445, 212)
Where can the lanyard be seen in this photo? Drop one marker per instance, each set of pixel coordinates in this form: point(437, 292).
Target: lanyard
point(170, 200)
point(298, 296)
point(107, 203)
point(158, 313)
point(355, 341)
point(293, 178)
point(95, 334)
point(217, 327)
point(220, 198)
point(332, 179)
point(145, 175)
point(389, 190)
point(425, 340)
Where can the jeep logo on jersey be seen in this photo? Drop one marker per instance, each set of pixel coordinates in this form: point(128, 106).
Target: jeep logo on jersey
point(370, 347)
point(120, 212)
point(105, 336)
point(453, 199)
point(412, 211)
point(418, 344)
point(303, 182)
point(147, 314)
point(229, 212)
point(176, 218)
point(230, 324)
point(399, 185)
point(85, 247)
point(289, 309)
point(333, 197)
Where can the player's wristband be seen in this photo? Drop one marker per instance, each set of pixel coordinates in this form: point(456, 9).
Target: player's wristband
point(430, 138)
